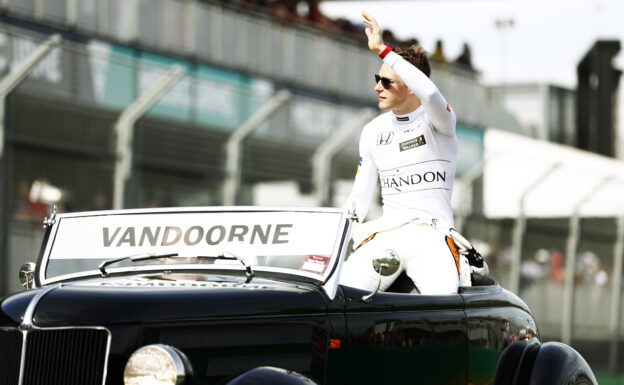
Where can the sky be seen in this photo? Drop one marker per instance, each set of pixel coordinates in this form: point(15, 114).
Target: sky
point(544, 45)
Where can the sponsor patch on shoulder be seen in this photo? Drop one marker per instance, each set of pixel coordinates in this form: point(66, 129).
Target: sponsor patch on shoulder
point(412, 143)
point(448, 108)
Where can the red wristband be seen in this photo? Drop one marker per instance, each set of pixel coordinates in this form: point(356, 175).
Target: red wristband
point(385, 51)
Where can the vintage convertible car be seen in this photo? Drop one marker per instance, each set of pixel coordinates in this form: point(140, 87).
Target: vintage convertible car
point(251, 296)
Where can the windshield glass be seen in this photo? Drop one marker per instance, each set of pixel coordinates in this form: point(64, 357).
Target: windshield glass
point(299, 242)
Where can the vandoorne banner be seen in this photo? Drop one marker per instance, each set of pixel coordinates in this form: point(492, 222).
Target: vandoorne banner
point(196, 234)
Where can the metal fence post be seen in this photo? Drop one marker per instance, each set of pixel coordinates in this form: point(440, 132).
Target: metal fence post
point(518, 232)
point(321, 159)
point(233, 146)
point(616, 296)
point(571, 250)
point(8, 84)
point(465, 205)
point(125, 134)
point(71, 12)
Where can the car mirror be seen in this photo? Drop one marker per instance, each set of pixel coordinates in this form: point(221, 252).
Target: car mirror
point(27, 275)
point(385, 265)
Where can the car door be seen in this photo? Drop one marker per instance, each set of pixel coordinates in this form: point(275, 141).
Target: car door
point(405, 338)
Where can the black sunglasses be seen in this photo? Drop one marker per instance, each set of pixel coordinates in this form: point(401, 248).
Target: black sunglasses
point(385, 82)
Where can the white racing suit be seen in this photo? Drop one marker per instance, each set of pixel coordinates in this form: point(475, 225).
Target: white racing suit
point(425, 246)
point(414, 157)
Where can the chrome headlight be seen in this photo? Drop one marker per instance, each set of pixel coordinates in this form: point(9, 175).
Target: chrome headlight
point(156, 365)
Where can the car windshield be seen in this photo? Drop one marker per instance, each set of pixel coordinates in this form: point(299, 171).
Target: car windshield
point(300, 242)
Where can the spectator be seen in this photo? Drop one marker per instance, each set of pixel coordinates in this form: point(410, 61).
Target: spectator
point(351, 29)
point(591, 270)
point(464, 60)
point(388, 36)
point(438, 54)
point(556, 266)
point(285, 10)
point(318, 19)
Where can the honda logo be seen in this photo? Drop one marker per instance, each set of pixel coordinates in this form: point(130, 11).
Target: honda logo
point(385, 138)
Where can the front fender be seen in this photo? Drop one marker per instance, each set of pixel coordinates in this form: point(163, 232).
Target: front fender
point(551, 363)
point(268, 375)
point(558, 363)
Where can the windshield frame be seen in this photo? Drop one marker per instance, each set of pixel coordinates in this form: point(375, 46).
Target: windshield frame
point(328, 280)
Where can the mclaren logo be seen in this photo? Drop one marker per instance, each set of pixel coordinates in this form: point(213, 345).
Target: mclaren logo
point(385, 138)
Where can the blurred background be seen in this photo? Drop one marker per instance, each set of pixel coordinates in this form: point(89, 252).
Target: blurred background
point(152, 103)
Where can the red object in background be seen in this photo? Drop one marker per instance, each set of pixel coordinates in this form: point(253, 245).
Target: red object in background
point(556, 266)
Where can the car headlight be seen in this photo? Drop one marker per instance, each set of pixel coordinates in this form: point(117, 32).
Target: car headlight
point(156, 365)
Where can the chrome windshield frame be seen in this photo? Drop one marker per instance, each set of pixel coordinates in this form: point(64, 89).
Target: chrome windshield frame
point(328, 281)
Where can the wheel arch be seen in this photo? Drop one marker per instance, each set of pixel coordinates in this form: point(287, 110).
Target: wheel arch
point(523, 363)
point(269, 375)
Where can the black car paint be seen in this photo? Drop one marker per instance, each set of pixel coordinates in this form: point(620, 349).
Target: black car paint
point(439, 339)
point(226, 327)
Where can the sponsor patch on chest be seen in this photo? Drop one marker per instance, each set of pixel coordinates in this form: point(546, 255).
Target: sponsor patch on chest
point(385, 138)
point(412, 143)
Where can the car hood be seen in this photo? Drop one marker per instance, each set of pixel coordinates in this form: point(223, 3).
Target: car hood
point(116, 301)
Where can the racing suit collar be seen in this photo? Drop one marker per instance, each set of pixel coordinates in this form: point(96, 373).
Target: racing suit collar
point(408, 118)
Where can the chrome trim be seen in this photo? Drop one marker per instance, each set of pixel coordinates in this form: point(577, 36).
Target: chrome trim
point(20, 380)
point(215, 270)
point(330, 287)
point(47, 222)
point(27, 319)
point(205, 209)
point(384, 266)
point(27, 275)
point(106, 355)
point(345, 216)
point(180, 362)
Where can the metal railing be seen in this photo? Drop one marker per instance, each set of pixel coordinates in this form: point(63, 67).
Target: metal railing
point(248, 40)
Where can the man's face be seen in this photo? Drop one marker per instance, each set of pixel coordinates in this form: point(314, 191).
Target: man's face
point(396, 95)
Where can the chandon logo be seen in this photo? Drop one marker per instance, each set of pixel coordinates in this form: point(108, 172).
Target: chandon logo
point(413, 179)
point(172, 235)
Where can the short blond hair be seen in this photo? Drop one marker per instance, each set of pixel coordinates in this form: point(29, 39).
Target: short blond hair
point(417, 56)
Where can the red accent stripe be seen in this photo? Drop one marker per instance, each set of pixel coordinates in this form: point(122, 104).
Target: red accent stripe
point(385, 51)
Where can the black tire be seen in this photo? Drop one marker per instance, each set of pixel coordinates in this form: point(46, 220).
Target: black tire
point(558, 363)
point(508, 363)
point(532, 363)
point(267, 375)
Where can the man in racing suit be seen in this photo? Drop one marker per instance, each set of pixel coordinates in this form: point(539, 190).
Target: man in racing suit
point(412, 149)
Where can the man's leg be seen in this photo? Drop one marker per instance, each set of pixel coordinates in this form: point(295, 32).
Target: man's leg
point(358, 270)
point(429, 261)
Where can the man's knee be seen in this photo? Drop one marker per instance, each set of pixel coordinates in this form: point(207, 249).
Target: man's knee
point(364, 270)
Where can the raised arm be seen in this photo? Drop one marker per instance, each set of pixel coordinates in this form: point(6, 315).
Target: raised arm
point(436, 106)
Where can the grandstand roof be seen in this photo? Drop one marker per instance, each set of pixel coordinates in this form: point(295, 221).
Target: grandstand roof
point(556, 179)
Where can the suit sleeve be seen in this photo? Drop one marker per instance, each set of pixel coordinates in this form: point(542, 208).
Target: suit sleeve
point(436, 106)
point(365, 180)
